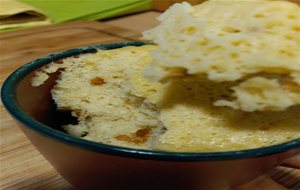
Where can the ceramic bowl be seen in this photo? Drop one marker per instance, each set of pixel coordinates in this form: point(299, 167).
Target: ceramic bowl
point(90, 165)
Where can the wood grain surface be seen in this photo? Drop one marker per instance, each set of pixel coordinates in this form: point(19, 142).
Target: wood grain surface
point(22, 166)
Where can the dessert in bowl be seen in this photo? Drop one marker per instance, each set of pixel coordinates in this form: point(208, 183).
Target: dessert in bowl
point(88, 164)
point(97, 119)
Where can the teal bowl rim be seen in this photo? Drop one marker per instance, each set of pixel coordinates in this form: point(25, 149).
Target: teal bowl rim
point(8, 96)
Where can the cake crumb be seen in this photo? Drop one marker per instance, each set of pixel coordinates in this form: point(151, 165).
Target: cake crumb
point(97, 81)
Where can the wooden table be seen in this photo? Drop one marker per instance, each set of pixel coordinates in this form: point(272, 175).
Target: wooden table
point(22, 166)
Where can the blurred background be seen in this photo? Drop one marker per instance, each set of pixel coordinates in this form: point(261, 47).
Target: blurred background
point(19, 14)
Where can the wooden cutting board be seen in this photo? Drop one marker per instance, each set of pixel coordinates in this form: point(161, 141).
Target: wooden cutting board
point(22, 166)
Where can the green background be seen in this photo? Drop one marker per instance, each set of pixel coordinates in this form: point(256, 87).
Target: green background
point(67, 10)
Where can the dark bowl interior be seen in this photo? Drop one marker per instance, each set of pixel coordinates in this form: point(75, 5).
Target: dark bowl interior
point(34, 107)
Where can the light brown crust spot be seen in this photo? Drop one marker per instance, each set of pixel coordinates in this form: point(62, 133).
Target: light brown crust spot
point(97, 81)
point(139, 137)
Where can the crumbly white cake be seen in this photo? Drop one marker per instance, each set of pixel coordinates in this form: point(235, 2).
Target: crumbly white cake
point(254, 42)
point(116, 105)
